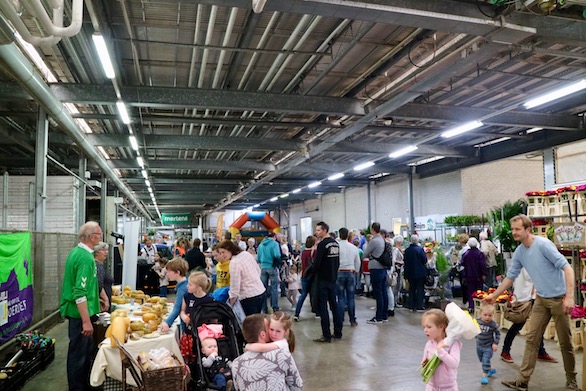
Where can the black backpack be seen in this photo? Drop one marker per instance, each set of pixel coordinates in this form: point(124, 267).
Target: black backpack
point(386, 258)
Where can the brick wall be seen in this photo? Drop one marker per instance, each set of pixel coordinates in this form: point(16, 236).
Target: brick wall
point(492, 184)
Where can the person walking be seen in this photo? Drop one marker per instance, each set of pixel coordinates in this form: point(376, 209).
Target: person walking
point(378, 275)
point(327, 263)
point(490, 251)
point(415, 261)
point(269, 252)
point(349, 267)
point(474, 270)
point(80, 303)
point(553, 278)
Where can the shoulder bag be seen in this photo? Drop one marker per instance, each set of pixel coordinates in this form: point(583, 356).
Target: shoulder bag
point(518, 311)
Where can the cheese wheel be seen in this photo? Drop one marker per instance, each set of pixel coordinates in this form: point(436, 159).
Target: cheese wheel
point(119, 328)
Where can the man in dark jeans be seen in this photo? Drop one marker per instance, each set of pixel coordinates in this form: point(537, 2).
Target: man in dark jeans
point(378, 275)
point(327, 262)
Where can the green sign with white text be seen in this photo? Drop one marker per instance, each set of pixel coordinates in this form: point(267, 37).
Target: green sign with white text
point(175, 218)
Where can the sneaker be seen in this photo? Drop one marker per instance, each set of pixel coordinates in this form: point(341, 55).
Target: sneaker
point(491, 372)
point(391, 313)
point(337, 337)
point(386, 320)
point(296, 318)
point(374, 321)
point(506, 357)
point(515, 384)
point(547, 358)
point(572, 386)
point(354, 324)
point(484, 380)
point(322, 339)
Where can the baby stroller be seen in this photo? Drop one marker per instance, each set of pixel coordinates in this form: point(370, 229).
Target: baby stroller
point(229, 346)
point(431, 283)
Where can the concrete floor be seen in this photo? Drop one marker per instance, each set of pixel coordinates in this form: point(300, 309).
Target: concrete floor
point(369, 357)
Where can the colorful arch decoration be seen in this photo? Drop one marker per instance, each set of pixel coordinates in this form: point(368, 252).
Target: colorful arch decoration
point(263, 217)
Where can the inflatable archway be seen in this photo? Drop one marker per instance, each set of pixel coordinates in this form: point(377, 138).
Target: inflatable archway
point(263, 217)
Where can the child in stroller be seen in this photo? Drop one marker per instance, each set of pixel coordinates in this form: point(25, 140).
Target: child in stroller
point(216, 367)
point(216, 315)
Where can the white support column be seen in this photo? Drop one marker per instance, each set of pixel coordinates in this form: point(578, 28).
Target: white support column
point(82, 190)
point(41, 149)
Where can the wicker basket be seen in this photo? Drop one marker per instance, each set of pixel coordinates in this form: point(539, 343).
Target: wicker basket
point(168, 379)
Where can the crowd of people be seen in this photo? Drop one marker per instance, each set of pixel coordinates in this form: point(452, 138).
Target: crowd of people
point(329, 269)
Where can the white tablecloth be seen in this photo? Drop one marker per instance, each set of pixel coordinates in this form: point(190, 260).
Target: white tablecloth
point(108, 360)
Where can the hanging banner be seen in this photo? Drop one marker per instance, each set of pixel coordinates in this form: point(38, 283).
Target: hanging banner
point(16, 279)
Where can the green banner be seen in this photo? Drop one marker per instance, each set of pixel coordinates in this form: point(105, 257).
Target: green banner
point(16, 278)
point(175, 218)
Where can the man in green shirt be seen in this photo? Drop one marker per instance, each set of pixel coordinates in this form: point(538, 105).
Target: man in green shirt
point(79, 303)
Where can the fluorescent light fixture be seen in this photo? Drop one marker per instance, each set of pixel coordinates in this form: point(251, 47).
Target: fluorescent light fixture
point(103, 152)
point(256, 205)
point(556, 94)
point(104, 56)
point(336, 176)
point(427, 160)
point(150, 189)
point(491, 142)
point(133, 142)
point(274, 199)
point(296, 190)
point(403, 151)
point(363, 166)
point(468, 126)
point(533, 130)
point(145, 175)
point(284, 195)
point(147, 183)
point(314, 184)
point(140, 161)
point(123, 112)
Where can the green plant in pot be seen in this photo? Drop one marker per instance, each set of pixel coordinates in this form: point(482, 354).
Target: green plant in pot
point(500, 218)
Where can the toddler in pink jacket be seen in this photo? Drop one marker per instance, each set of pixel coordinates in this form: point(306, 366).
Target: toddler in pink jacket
point(445, 378)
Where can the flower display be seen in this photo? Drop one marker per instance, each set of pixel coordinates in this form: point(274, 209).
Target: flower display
point(502, 298)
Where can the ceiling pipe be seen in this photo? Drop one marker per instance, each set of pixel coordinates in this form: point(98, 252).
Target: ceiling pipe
point(55, 26)
point(18, 65)
point(11, 14)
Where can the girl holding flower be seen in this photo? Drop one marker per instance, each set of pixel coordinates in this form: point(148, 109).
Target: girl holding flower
point(445, 377)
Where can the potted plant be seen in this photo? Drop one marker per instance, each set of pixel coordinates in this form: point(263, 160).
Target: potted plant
point(500, 219)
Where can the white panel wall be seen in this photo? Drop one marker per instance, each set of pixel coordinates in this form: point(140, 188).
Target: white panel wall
point(60, 203)
point(441, 194)
point(356, 208)
point(389, 201)
point(571, 163)
point(334, 211)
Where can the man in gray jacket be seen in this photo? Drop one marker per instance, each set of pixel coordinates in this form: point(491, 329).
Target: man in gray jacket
point(378, 274)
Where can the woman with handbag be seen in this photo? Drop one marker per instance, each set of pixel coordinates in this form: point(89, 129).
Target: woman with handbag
point(523, 293)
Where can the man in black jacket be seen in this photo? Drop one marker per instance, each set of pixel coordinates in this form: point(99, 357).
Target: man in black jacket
point(195, 257)
point(327, 262)
point(415, 261)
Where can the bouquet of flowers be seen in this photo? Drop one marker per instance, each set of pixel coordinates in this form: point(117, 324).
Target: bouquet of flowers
point(461, 325)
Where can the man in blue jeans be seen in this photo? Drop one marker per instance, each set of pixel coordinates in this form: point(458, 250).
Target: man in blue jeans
point(327, 263)
point(349, 267)
point(269, 251)
point(378, 275)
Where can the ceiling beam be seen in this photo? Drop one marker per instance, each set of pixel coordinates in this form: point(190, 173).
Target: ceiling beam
point(385, 148)
point(460, 114)
point(186, 164)
point(441, 15)
point(175, 98)
point(540, 140)
point(198, 142)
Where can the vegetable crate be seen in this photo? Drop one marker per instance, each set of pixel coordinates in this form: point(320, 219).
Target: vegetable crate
point(168, 379)
point(32, 363)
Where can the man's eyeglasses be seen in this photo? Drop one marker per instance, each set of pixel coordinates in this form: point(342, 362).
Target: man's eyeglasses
point(98, 233)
